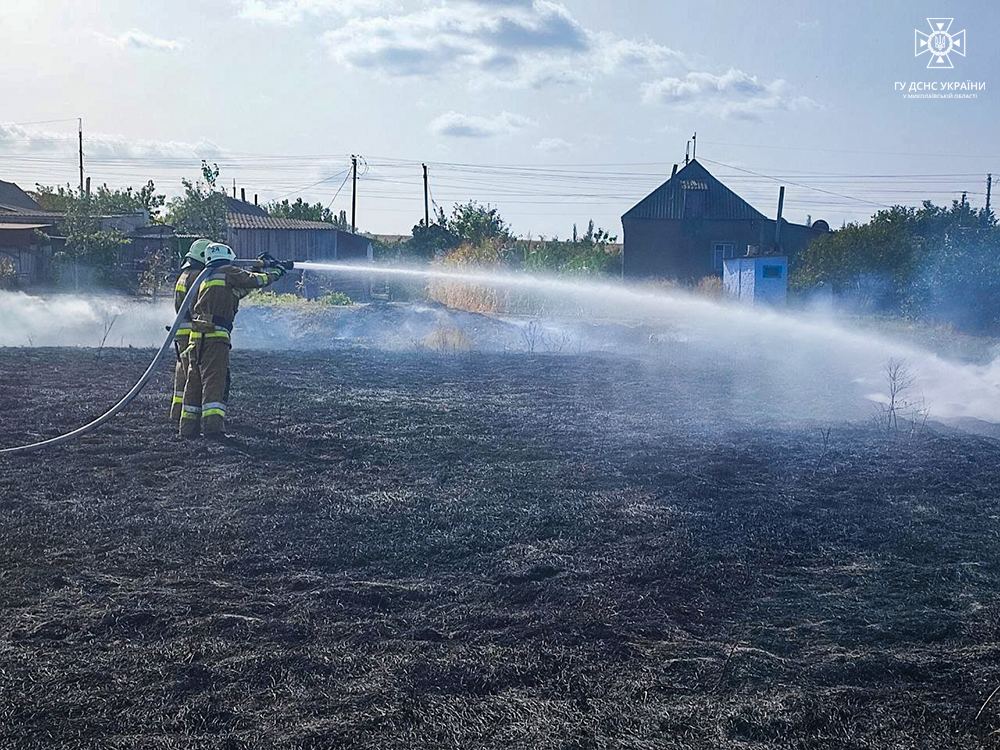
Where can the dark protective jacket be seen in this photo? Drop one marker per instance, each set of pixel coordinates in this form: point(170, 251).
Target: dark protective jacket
point(219, 298)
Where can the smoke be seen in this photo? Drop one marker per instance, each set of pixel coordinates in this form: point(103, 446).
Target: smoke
point(70, 320)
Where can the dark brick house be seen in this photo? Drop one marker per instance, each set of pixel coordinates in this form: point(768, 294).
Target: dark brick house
point(692, 222)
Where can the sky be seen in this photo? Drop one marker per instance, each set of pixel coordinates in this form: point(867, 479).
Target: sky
point(555, 112)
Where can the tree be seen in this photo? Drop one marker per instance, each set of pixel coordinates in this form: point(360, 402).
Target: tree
point(432, 241)
point(301, 210)
point(933, 262)
point(202, 208)
point(104, 201)
point(475, 224)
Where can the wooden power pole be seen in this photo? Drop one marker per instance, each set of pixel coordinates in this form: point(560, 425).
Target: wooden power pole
point(427, 210)
point(80, 133)
point(989, 190)
point(354, 192)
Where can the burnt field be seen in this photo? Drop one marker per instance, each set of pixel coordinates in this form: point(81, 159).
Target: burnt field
point(488, 551)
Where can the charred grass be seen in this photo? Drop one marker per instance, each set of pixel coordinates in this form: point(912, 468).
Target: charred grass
point(486, 551)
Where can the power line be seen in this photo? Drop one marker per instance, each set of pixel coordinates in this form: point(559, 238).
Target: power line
point(798, 184)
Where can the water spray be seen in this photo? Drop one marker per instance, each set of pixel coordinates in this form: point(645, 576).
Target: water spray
point(954, 390)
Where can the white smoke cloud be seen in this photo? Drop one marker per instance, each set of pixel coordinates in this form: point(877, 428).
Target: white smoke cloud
point(73, 320)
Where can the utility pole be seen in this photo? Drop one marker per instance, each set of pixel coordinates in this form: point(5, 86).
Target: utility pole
point(354, 192)
point(694, 146)
point(989, 190)
point(427, 211)
point(687, 153)
point(80, 123)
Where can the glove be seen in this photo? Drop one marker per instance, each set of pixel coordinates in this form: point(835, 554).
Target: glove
point(266, 260)
point(278, 269)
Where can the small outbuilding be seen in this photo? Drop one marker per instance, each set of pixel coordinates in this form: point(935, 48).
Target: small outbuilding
point(756, 279)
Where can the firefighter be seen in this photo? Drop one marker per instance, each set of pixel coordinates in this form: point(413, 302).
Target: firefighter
point(207, 387)
point(194, 262)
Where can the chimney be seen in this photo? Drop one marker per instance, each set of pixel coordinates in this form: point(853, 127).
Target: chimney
point(777, 224)
point(255, 199)
point(673, 172)
point(243, 194)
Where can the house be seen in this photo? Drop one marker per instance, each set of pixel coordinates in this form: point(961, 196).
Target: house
point(251, 232)
point(689, 225)
point(12, 199)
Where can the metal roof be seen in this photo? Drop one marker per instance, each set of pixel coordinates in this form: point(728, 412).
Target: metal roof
point(716, 201)
point(250, 221)
point(236, 206)
point(12, 195)
point(15, 227)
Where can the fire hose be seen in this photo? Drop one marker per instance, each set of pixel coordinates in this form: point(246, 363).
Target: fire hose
point(167, 345)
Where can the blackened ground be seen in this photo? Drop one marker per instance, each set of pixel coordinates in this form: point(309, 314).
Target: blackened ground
point(472, 551)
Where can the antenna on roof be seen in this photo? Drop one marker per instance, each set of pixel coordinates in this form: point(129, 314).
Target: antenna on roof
point(687, 153)
point(694, 145)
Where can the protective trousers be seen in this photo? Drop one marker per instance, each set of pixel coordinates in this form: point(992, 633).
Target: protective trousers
point(206, 390)
point(180, 377)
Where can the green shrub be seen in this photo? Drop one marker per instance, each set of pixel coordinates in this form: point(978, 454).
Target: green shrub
point(334, 299)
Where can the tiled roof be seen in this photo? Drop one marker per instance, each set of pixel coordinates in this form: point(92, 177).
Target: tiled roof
point(715, 200)
point(249, 221)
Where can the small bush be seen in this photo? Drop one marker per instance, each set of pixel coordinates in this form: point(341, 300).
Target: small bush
point(448, 339)
point(710, 286)
point(335, 299)
point(274, 301)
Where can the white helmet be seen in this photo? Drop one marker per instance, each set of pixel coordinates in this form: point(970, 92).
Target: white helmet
point(197, 251)
point(217, 252)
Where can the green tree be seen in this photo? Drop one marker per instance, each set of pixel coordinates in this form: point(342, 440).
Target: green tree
point(300, 210)
point(429, 242)
point(202, 208)
point(933, 262)
point(104, 201)
point(475, 224)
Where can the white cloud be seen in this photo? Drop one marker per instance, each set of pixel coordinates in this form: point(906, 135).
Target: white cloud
point(514, 43)
point(553, 145)
point(15, 139)
point(813, 24)
point(731, 95)
point(293, 11)
point(140, 40)
point(518, 44)
point(497, 39)
point(457, 125)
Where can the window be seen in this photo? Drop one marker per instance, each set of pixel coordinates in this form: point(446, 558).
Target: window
point(771, 272)
point(721, 251)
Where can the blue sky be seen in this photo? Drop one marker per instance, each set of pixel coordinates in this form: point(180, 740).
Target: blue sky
point(555, 112)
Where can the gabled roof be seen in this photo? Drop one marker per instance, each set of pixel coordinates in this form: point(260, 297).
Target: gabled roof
point(12, 195)
point(236, 206)
point(693, 184)
point(251, 221)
